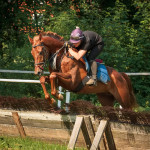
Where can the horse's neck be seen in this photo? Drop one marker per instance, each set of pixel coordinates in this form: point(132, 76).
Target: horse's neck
point(52, 44)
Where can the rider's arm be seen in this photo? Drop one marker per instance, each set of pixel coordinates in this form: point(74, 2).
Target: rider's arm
point(77, 55)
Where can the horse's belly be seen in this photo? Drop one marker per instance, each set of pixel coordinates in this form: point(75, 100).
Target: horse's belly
point(100, 88)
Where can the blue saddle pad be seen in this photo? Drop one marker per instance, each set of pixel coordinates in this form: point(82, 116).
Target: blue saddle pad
point(102, 74)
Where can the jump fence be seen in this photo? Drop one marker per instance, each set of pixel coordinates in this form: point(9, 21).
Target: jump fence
point(60, 88)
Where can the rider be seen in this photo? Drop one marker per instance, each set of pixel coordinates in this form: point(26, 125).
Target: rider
point(88, 44)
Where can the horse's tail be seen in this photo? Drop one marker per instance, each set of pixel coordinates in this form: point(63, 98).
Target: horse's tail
point(132, 96)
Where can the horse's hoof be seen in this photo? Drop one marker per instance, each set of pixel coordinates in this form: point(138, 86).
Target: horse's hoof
point(53, 100)
point(60, 97)
point(47, 96)
point(53, 103)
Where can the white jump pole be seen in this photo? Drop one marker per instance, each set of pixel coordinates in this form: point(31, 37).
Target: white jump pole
point(59, 102)
point(67, 99)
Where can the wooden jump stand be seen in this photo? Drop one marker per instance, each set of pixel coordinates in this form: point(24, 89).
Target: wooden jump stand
point(19, 125)
point(92, 140)
point(84, 123)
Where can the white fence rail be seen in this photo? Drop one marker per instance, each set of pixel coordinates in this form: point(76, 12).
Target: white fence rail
point(20, 71)
point(19, 80)
point(139, 74)
point(37, 81)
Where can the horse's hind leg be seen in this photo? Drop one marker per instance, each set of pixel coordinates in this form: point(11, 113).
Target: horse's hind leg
point(120, 90)
point(132, 96)
point(106, 99)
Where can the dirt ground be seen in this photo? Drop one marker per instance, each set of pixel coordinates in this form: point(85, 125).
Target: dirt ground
point(78, 107)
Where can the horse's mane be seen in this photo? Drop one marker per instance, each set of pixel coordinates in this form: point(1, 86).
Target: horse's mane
point(53, 35)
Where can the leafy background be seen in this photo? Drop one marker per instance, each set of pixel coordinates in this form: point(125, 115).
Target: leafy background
point(123, 24)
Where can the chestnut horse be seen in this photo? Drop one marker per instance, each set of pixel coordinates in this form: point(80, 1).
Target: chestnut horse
point(69, 73)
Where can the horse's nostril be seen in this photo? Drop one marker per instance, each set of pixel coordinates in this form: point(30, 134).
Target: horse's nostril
point(39, 73)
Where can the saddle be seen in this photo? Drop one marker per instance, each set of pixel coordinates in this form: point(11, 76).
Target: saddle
point(102, 74)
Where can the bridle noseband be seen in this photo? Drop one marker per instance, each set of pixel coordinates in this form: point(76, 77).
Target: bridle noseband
point(45, 54)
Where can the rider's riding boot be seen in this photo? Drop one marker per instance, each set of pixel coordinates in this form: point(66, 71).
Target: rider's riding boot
point(93, 79)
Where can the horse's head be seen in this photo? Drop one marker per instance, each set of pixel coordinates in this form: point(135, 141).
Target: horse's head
point(39, 53)
point(44, 46)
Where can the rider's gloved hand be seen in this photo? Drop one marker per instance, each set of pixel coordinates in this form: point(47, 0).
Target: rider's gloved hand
point(68, 44)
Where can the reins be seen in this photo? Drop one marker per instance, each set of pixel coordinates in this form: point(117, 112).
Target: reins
point(57, 52)
point(65, 52)
point(45, 54)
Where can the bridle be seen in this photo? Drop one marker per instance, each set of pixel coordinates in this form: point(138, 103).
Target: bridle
point(45, 55)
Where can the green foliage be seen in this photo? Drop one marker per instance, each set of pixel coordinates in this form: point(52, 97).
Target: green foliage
point(17, 57)
point(59, 23)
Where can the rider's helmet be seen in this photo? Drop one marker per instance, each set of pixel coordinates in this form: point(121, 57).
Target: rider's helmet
point(76, 35)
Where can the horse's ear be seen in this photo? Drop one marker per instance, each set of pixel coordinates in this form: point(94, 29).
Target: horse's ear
point(40, 36)
point(30, 39)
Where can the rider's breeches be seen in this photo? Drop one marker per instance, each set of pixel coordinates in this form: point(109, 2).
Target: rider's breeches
point(92, 56)
point(95, 52)
point(94, 69)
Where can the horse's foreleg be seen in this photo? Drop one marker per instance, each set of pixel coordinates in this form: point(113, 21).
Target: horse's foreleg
point(54, 92)
point(60, 77)
point(43, 80)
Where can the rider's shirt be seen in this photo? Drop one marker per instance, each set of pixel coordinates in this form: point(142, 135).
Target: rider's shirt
point(90, 40)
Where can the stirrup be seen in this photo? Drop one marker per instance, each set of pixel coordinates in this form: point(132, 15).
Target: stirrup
point(92, 82)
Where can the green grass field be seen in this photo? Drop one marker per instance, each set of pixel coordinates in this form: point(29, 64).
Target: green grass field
point(16, 143)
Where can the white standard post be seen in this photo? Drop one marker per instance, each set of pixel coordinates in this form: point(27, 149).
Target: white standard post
point(67, 99)
point(120, 113)
point(120, 107)
point(59, 102)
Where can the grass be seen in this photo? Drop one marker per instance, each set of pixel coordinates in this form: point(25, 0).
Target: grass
point(17, 143)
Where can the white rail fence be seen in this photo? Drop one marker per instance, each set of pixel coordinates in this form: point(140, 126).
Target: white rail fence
point(60, 88)
point(37, 81)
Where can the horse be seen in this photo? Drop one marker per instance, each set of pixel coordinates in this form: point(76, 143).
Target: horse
point(69, 73)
